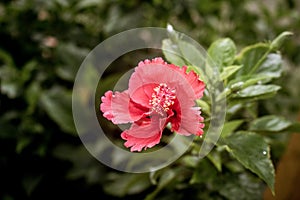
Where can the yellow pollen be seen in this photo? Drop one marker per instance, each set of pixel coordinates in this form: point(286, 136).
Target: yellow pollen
point(162, 98)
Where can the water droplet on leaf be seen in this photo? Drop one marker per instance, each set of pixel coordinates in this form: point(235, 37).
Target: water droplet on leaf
point(170, 28)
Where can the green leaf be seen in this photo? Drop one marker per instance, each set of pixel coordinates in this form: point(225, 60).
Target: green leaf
point(222, 52)
point(71, 56)
point(256, 90)
point(230, 70)
point(270, 123)
point(204, 176)
point(253, 152)
point(9, 80)
point(26, 71)
point(250, 56)
point(7, 59)
point(243, 186)
point(32, 94)
point(83, 164)
point(127, 184)
point(278, 41)
point(272, 66)
point(230, 127)
point(190, 161)
point(205, 108)
point(171, 49)
point(197, 70)
point(84, 4)
point(215, 158)
point(13, 80)
point(172, 53)
point(234, 166)
point(294, 128)
point(182, 53)
point(233, 108)
point(30, 182)
point(57, 104)
point(166, 178)
point(22, 143)
point(247, 80)
point(191, 54)
point(153, 176)
point(8, 130)
point(107, 84)
point(179, 52)
point(252, 99)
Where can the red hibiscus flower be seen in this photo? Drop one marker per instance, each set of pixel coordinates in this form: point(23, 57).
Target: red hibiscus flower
point(159, 93)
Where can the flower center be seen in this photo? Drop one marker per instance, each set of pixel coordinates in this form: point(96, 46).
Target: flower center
point(162, 98)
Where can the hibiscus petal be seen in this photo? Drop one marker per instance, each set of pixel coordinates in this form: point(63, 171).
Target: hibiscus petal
point(144, 94)
point(193, 80)
point(157, 72)
point(105, 106)
point(157, 60)
point(144, 134)
point(187, 120)
point(137, 144)
point(119, 108)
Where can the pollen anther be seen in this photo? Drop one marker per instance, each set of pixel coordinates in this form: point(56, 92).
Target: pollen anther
point(162, 98)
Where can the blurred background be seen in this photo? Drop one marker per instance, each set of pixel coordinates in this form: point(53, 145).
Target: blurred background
point(42, 44)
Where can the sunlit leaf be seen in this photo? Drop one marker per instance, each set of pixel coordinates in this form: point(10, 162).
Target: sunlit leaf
point(222, 52)
point(204, 106)
point(172, 53)
point(32, 94)
point(9, 81)
point(180, 53)
point(278, 41)
point(26, 71)
point(250, 56)
point(191, 54)
point(247, 80)
point(88, 3)
point(272, 66)
point(230, 70)
point(257, 90)
point(270, 123)
point(215, 158)
point(234, 166)
point(190, 161)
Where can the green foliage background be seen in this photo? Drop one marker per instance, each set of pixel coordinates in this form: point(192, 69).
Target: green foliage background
point(42, 44)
